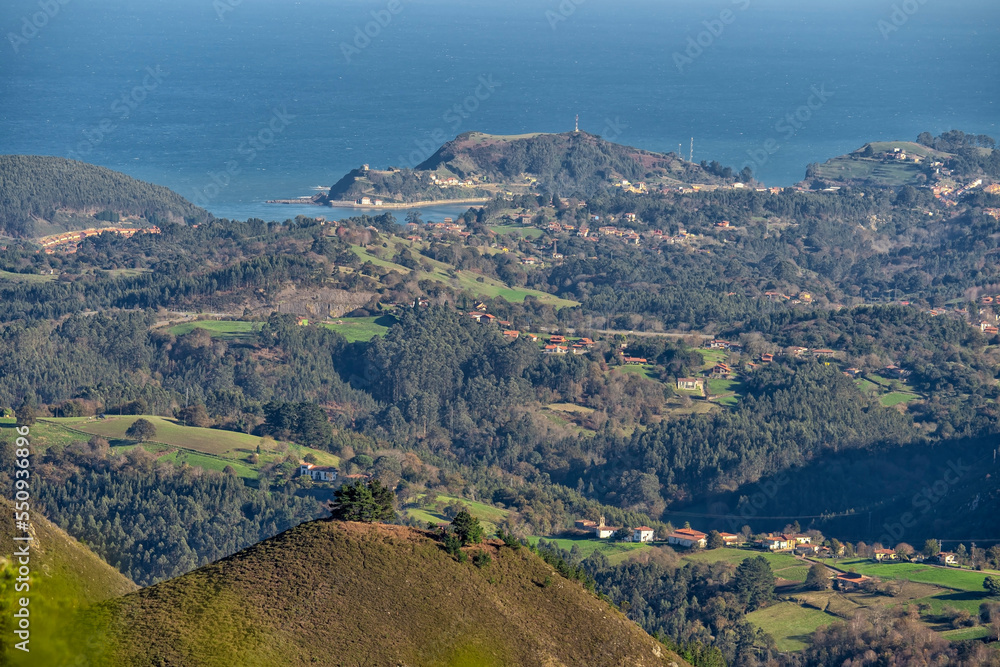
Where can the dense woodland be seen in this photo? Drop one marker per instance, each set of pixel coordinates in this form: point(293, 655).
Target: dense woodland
point(36, 187)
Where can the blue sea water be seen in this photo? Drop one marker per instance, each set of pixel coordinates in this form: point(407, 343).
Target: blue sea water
point(231, 102)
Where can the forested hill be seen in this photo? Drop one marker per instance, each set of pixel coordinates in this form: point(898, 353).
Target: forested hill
point(38, 188)
point(347, 593)
point(568, 163)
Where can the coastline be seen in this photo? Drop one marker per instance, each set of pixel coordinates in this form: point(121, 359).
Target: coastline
point(389, 206)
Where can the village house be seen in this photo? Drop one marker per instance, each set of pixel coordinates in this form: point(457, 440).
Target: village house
point(797, 351)
point(602, 531)
point(880, 555)
point(850, 581)
point(557, 339)
point(722, 370)
point(766, 358)
point(946, 558)
point(513, 335)
point(807, 550)
point(318, 473)
point(642, 534)
point(685, 537)
point(691, 384)
point(731, 539)
point(585, 524)
point(775, 543)
point(634, 361)
point(556, 349)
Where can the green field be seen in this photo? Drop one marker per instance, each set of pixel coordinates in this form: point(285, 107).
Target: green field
point(470, 281)
point(785, 566)
point(790, 624)
point(361, 328)
point(616, 552)
point(646, 371)
point(896, 397)
point(490, 517)
point(946, 577)
point(26, 277)
point(225, 329)
point(888, 174)
point(712, 357)
point(212, 449)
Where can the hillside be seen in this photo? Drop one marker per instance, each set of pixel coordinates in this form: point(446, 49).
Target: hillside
point(569, 163)
point(45, 195)
point(344, 593)
point(572, 163)
point(78, 571)
point(65, 576)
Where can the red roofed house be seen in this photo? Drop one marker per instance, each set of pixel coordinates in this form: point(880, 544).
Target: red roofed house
point(512, 334)
point(634, 361)
point(685, 537)
point(642, 534)
point(850, 580)
point(731, 538)
point(767, 358)
point(884, 554)
point(602, 531)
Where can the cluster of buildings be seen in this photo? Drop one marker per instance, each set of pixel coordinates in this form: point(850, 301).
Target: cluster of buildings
point(68, 241)
point(602, 531)
point(451, 182)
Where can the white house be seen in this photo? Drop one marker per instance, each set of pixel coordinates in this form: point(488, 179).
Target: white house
point(318, 473)
point(685, 537)
point(601, 531)
point(642, 534)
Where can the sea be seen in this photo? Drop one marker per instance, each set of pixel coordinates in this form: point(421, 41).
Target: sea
point(234, 102)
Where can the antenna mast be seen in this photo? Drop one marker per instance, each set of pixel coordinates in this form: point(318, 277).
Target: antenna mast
point(691, 156)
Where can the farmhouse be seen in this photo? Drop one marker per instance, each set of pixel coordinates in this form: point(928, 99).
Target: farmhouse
point(585, 524)
point(691, 384)
point(318, 473)
point(602, 531)
point(850, 581)
point(776, 543)
point(722, 370)
point(880, 555)
point(642, 534)
point(685, 537)
point(946, 558)
point(634, 361)
point(731, 539)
